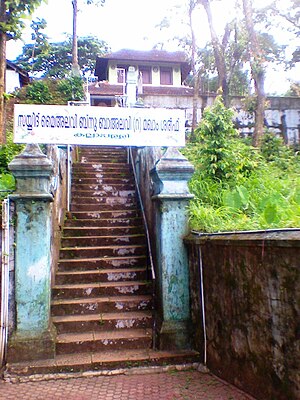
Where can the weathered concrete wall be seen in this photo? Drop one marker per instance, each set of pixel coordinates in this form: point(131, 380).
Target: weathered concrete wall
point(252, 303)
point(58, 188)
point(282, 114)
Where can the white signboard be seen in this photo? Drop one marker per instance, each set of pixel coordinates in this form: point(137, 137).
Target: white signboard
point(98, 125)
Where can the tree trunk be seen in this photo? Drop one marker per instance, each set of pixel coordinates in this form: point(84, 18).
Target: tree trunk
point(259, 80)
point(218, 53)
point(75, 65)
point(258, 74)
point(2, 74)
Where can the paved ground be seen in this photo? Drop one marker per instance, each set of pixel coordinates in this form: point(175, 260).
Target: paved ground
point(187, 385)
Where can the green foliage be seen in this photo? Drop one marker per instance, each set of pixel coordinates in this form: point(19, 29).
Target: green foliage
point(8, 152)
point(50, 91)
point(38, 92)
point(274, 150)
point(221, 155)
point(15, 12)
point(55, 59)
point(236, 187)
point(7, 185)
point(71, 88)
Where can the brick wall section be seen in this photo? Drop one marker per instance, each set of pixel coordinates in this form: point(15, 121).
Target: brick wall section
point(252, 301)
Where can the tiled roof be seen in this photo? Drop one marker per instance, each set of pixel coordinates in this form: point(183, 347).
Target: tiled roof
point(103, 88)
point(152, 55)
point(126, 56)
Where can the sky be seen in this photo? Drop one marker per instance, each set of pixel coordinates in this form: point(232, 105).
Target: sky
point(132, 24)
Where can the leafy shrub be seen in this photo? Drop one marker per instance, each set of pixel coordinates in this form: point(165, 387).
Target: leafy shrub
point(38, 92)
point(7, 184)
point(8, 152)
point(237, 187)
point(52, 91)
point(71, 88)
point(220, 152)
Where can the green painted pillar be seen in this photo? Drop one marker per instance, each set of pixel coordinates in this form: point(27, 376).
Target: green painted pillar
point(34, 337)
point(170, 177)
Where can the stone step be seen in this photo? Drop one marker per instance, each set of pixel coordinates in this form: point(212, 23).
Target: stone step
point(67, 365)
point(102, 206)
point(102, 262)
point(113, 157)
point(102, 149)
point(99, 305)
point(106, 203)
point(109, 187)
point(103, 192)
point(90, 172)
point(107, 173)
point(108, 214)
point(102, 179)
point(101, 251)
point(102, 322)
point(103, 275)
point(103, 240)
point(105, 222)
point(97, 289)
point(101, 153)
point(108, 158)
point(68, 343)
point(99, 166)
point(118, 232)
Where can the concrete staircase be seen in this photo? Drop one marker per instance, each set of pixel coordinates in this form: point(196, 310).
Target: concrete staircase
point(102, 294)
point(102, 297)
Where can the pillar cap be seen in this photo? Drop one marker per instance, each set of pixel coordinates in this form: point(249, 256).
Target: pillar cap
point(174, 165)
point(31, 159)
point(171, 175)
point(32, 170)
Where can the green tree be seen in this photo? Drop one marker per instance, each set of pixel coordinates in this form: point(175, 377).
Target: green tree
point(294, 90)
point(12, 13)
point(39, 37)
point(55, 60)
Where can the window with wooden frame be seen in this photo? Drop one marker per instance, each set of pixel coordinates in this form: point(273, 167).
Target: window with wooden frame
point(166, 76)
point(121, 74)
point(146, 74)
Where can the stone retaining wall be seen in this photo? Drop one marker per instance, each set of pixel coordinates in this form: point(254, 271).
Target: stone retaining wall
point(252, 302)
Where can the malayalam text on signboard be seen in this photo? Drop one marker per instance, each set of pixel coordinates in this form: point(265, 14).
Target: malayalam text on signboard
point(92, 125)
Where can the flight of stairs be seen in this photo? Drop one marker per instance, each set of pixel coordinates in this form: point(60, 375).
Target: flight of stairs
point(102, 305)
point(102, 294)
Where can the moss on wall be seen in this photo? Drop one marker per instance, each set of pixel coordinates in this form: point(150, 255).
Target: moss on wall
point(252, 310)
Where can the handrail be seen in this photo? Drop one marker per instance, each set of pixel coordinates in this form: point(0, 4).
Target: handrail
point(143, 215)
point(4, 281)
point(69, 176)
point(149, 246)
